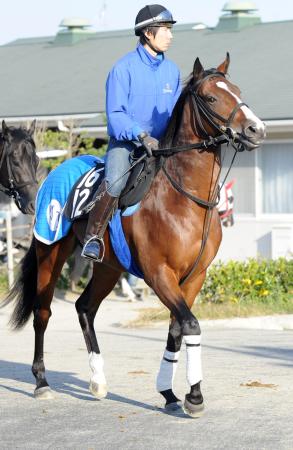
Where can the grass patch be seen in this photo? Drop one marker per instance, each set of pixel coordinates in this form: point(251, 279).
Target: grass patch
point(213, 311)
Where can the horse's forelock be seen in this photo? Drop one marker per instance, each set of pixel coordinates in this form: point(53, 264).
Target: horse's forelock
point(20, 134)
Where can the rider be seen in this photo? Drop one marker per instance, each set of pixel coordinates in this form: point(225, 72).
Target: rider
point(141, 91)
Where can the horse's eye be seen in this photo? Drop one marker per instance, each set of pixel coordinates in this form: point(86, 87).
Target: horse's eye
point(210, 99)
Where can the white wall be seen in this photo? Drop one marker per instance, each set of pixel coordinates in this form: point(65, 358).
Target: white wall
point(252, 237)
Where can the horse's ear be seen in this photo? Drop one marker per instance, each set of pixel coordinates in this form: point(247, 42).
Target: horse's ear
point(198, 70)
point(223, 68)
point(32, 127)
point(5, 129)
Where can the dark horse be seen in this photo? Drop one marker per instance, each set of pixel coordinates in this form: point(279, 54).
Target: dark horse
point(166, 236)
point(18, 166)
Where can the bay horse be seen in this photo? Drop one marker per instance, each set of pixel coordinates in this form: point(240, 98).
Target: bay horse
point(18, 166)
point(173, 237)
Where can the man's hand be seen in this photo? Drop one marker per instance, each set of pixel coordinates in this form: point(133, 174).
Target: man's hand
point(149, 143)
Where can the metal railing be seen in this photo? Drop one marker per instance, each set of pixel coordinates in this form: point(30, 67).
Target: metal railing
point(8, 230)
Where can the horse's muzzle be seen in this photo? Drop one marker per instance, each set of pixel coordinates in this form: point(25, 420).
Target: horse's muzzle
point(252, 136)
point(28, 208)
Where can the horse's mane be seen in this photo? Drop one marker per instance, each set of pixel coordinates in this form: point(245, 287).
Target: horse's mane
point(175, 120)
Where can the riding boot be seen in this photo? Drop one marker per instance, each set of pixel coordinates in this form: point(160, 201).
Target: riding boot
point(99, 217)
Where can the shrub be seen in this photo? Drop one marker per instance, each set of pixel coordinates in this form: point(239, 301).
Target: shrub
point(254, 280)
point(75, 144)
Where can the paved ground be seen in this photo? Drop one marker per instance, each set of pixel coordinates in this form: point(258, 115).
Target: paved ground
point(236, 417)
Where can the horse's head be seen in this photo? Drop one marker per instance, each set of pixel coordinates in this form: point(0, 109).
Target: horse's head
point(18, 166)
point(221, 108)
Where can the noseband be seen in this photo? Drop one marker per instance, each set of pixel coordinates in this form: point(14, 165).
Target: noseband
point(13, 189)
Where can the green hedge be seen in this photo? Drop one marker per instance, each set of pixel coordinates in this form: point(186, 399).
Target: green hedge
point(243, 283)
point(260, 281)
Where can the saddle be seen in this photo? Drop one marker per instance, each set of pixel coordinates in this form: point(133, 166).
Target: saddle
point(82, 195)
point(140, 180)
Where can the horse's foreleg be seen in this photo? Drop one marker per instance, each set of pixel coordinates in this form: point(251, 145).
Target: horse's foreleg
point(169, 365)
point(50, 263)
point(101, 284)
point(187, 327)
point(193, 403)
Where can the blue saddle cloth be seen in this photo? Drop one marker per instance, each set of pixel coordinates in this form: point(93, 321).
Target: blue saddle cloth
point(120, 245)
point(51, 225)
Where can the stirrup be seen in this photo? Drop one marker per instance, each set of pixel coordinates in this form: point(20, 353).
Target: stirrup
point(102, 245)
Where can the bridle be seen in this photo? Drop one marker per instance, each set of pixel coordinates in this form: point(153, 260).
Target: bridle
point(226, 134)
point(13, 188)
point(202, 110)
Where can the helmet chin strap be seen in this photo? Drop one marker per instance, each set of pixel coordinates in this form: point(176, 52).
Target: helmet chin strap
point(150, 45)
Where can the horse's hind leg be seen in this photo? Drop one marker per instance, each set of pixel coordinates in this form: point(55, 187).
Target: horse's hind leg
point(101, 284)
point(50, 262)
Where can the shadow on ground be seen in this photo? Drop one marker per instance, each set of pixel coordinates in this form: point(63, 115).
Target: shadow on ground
point(62, 382)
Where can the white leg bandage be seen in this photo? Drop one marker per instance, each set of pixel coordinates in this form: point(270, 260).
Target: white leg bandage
point(167, 371)
point(97, 366)
point(193, 359)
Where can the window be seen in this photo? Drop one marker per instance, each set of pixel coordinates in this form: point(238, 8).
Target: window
point(276, 165)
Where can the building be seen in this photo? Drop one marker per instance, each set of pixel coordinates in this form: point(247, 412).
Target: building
point(61, 79)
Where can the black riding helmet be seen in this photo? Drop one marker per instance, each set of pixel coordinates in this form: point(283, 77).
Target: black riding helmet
point(152, 15)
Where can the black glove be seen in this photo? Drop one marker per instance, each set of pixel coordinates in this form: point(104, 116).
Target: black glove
point(148, 142)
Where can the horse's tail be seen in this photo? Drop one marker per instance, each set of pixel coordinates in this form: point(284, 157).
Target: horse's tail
point(24, 289)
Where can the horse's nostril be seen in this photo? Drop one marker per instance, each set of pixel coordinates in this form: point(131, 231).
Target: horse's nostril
point(253, 131)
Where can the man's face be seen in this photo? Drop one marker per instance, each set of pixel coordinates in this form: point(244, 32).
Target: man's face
point(161, 42)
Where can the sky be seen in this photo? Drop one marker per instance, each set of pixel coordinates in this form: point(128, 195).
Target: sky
point(31, 18)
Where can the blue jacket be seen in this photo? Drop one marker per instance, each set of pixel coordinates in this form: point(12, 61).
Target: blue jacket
point(141, 92)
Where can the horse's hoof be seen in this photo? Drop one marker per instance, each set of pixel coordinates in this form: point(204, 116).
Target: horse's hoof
point(174, 407)
point(44, 393)
point(193, 410)
point(98, 390)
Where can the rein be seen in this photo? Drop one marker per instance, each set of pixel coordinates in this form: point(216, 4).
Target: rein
point(203, 145)
point(199, 201)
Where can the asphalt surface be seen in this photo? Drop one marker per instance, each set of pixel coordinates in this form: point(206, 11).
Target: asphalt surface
point(237, 416)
